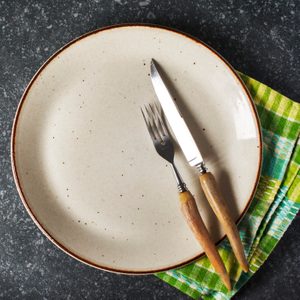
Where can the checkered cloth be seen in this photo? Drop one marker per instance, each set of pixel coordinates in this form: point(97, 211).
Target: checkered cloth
point(274, 206)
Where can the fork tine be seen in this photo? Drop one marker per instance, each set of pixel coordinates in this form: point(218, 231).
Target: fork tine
point(150, 119)
point(148, 125)
point(155, 122)
point(161, 120)
point(152, 122)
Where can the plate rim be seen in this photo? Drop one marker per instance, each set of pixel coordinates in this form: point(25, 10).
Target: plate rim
point(35, 219)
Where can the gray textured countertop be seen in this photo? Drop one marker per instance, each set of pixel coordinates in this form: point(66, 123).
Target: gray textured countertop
point(259, 38)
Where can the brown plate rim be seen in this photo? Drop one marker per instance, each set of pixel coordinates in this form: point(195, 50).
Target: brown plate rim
point(13, 137)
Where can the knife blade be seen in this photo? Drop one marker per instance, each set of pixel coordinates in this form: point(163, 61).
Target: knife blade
point(175, 119)
point(193, 156)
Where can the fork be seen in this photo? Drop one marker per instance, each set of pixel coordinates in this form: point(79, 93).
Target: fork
point(155, 122)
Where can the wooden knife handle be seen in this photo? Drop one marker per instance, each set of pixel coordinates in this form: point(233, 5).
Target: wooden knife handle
point(221, 210)
point(196, 224)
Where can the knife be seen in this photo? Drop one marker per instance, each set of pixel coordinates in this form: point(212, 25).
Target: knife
point(194, 158)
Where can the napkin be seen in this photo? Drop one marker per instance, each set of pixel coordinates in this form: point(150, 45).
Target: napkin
point(274, 206)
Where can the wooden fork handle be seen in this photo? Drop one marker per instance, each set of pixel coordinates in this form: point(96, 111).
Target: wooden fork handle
point(196, 224)
point(222, 212)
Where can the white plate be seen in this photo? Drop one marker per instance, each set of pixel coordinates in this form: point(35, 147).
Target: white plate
point(85, 166)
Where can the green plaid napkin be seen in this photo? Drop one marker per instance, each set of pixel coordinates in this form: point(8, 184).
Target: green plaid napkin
point(275, 204)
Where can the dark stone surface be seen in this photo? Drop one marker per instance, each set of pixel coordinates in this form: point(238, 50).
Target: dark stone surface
point(259, 38)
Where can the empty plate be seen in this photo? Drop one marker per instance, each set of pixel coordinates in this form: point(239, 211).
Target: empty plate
point(85, 166)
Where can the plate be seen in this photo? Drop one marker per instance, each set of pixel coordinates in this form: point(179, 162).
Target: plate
point(84, 164)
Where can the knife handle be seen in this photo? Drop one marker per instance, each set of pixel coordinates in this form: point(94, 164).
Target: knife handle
point(216, 201)
point(196, 224)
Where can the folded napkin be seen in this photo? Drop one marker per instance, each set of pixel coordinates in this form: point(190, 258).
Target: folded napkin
point(274, 206)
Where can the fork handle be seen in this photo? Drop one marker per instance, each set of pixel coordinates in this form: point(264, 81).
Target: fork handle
point(216, 201)
point(196, 224)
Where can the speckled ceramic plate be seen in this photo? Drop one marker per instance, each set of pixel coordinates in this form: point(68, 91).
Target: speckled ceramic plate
point(84, 164)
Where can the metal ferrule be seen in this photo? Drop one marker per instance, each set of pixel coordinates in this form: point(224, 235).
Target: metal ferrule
point(181, 188)
point(201, 168)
